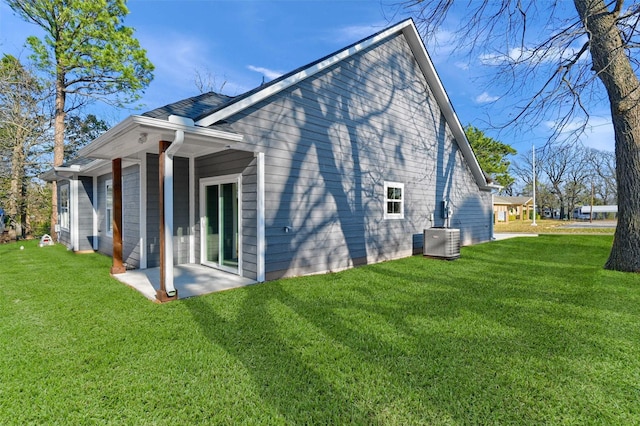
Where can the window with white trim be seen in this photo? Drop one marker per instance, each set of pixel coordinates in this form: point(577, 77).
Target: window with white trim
point(63, 213)
point(108, 214)
point(394, 200)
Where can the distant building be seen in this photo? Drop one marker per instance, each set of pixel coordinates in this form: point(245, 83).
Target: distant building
point(503, 207)
point(599, 212)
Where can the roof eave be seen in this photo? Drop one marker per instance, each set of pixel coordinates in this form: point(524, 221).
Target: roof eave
point(137, 123)
point(429, 71)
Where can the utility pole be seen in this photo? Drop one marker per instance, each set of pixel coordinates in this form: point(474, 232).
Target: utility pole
point(534, 186)
point(591, 210)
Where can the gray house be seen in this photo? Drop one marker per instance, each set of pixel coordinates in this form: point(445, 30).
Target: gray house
point(342, 162)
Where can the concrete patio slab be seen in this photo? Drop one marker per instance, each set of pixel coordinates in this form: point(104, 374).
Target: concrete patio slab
point(190, 280)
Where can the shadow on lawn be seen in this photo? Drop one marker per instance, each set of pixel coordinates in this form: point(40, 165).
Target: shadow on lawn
point(420, 342)
point(287, 380)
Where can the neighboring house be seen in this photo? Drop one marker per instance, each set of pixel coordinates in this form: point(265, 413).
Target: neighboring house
point(342, 162)
point(519, 207)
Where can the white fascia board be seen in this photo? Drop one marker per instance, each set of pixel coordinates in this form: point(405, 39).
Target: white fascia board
point(426, 65)
point(299, 76)
point(133, 122)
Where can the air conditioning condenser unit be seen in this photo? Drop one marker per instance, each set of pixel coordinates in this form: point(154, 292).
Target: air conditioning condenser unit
point(443, 243)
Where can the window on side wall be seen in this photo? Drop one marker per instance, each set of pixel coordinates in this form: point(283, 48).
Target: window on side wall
point(394, 200)
point(108, 214)
point(63, 219)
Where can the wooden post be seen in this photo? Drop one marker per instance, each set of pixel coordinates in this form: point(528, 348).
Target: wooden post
point(161, 294)
point(116, 221)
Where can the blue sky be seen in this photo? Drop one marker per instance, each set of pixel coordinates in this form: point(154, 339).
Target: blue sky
point(240, 42)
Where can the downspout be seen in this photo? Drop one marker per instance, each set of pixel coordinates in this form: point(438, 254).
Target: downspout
point(168, 202)
point(168, 211)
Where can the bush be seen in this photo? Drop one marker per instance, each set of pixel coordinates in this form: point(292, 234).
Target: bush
point(40, 228)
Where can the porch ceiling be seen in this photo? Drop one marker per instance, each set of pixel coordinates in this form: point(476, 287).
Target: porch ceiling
point(138, 135)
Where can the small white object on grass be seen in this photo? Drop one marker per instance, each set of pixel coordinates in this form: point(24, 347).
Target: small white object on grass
point(21, 247)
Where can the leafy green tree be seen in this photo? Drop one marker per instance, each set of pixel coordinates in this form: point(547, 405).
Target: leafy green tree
point(491, 155)
point(89, 55)
point(80, 131)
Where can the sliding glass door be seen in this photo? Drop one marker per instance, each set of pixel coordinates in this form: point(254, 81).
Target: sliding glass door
point(220, 223)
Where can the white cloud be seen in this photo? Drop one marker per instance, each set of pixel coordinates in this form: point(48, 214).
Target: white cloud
point(535, 55)
point(442, 45)
point(598, 132)
point(485, 97)
point(176, 57)
point(353, 33)
point(270, 74)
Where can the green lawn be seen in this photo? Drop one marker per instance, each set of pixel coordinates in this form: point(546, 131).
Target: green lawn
point(525, 331)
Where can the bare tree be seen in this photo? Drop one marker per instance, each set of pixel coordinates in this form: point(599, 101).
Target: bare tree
point(565, 175)
point(22, 126)
point(579, 178)
point(554, 164)
point(567, 51)
point(206, 81)
point(603, 168)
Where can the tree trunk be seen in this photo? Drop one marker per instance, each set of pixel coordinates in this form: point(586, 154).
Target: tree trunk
point(23, 207)
point(16, 196)
point(58, 147)
point(17, 168)
point(623, 88)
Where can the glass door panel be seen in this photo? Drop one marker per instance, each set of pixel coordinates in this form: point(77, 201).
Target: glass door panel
point(221, 218)
point(213, 235)
point(229, 225)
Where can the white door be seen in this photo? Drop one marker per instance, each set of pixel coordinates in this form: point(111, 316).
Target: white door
point(220, 223)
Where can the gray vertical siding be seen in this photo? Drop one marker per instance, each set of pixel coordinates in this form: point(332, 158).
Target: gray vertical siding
point(330, 144)
point(64, 235)
point(105, 242)
point(227, 163)
point(85, 213)
point(181, 230)
point(130, 217)
point(153, 212)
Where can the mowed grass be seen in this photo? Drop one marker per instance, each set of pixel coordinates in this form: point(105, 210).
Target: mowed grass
point(521, 331)
point(554, 226)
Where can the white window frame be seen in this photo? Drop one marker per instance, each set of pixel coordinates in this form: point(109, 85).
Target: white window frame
point(108, 208)
point(387, 200)
point(64, 213)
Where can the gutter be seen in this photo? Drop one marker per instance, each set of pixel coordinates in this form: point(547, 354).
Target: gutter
point(139, 122)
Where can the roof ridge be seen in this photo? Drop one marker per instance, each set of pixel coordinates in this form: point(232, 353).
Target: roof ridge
point(299, 69)
point(192, 106)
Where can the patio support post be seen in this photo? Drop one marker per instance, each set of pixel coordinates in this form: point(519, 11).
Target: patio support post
point(116, 169)
point(161, 294)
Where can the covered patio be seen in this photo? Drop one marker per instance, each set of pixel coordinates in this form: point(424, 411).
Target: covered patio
point(189, 280)
point(180, 244)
